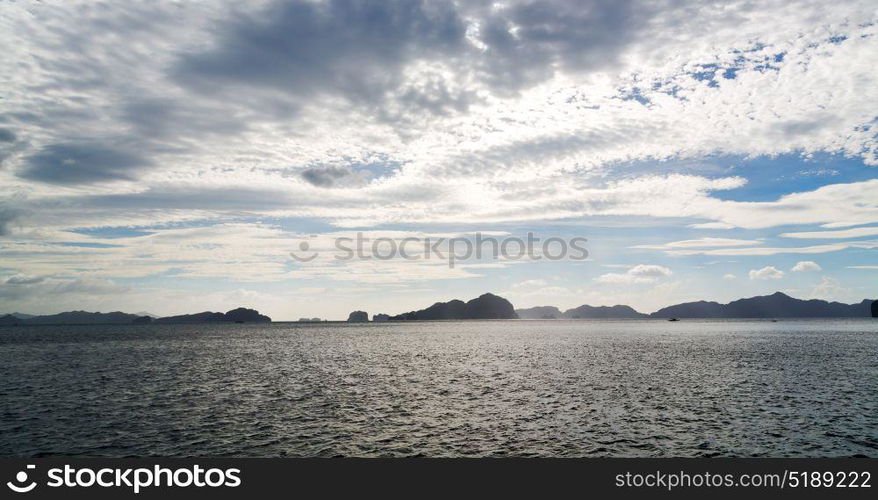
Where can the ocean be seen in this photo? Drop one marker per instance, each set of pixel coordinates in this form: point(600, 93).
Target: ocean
point(640, 388)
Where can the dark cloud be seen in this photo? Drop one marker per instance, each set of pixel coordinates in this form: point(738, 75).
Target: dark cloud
point(21, 279)
point(8, 214)
point(360, 49)
point(187, 198)
point(334, 176)
point(527, 41)
point(324, 176)
point(7, 135)
point(163, 118)
point(357, 49)
point(81, 163)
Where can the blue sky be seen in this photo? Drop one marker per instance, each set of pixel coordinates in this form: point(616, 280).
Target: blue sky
point(168, 157)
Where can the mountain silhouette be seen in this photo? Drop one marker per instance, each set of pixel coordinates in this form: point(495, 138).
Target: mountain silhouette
point(539, 312)
point(239, 315)
point(603, 312)
point(358, 317)
point(486, 306)
point(81, 318)
point(10, 320)
point(776, 305)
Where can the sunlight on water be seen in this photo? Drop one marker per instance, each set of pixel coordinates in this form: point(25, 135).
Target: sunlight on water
point(499, 388)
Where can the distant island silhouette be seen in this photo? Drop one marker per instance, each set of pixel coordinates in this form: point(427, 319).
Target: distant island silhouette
point(358, 317)
point(581, 312)
point(776, 305)
point(239, 315)
point(486, 306)
point(490, 306)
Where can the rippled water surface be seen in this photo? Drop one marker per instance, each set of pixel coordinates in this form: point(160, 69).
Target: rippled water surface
point(493, 388)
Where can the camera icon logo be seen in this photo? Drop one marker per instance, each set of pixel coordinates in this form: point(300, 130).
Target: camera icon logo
point(19, 485)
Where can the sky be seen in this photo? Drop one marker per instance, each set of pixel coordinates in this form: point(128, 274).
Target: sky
point(175, 157)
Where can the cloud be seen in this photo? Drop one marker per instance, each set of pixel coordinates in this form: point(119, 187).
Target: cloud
point(829, 289)
point(815, 249)
point(641, 273)
point(862, 267)
point(333, 176)
point(806, 265)
point(701, 243)
point(7, 135)
point(81, 163)
point(729, 276)
point(766, 273)
point(8, 214)
point(19, 287)
point(712, 225)
point(845, 233)
point(21, 279)
point(356, 50)
point(530, 284)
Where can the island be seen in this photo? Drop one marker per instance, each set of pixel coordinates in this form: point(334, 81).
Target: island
point(776, 305)
point(239, 315)
point(486, 306)
point(581, 312)
point(358, 317)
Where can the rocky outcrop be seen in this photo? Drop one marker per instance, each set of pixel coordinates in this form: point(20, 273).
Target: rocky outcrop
point(244, 315)
point(875, 308)
point(490, 306)
point(202, 317)
point(380, 317)
point(142, 320)
point(487, 306)
point(358, 317)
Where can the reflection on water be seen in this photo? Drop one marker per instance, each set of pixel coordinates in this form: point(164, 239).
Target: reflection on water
point(498, 388)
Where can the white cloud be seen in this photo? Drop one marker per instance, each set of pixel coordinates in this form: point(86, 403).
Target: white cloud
point(712, 225)
point(530, 284)
point(806, 265)
point(815, 249)
point(641, 273)
point(701, 243)
point(845, 233)
point(830, 289)
point(729, 276)
point(766, 273)
point(862, 267)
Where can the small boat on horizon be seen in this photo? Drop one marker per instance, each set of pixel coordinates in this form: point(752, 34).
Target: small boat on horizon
point(673, 319)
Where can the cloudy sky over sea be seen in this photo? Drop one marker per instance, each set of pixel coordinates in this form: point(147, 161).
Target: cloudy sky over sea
point(168, 156)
